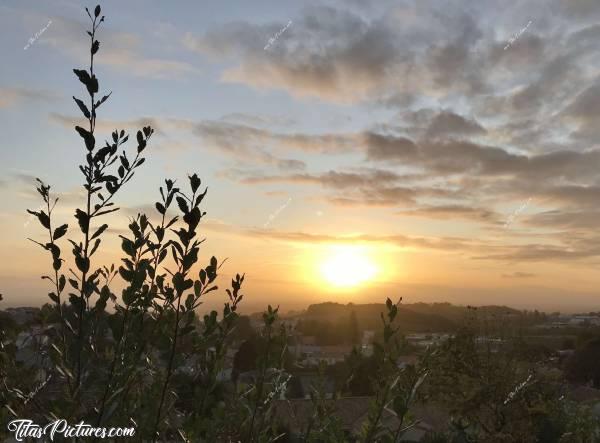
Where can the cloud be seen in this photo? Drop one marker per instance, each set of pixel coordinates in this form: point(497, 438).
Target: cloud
point(362, 187)
point(230, 137)
point(108, 125)
point(453, 212)
point(257, 120)
point(543, 253)
point(326, 53)
point(519, 275)
point(331, 179)
point(564, 219)
point(121, 51)
point(450, 244)
point(449, 123)
point(14, 96)
point(581, 8)
point(381, 147)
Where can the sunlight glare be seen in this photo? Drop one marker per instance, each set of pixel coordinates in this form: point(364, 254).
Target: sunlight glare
point(347, 266)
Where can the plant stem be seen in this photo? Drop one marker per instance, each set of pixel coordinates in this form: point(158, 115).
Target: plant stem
point(169, 371)
point(260, 384)
point(112, 368)
point(83, 298)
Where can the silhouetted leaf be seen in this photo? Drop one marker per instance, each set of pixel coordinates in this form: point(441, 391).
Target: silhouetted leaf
point(200, 197)
point(83, 76)
point(54, 250)
point(87, 136)
point(97, 11)
point(83, 107)
point(92, 87)
point(182, 205)
point(124, 161)
point(83, 219)
point(126, 274)
point(83, 263)
point(76, 301)
point(194, 182)
point(95, 247)
point(42, 217)
point(102, 100)
point(127, 246)
point(95, 47)
point(107, 211)
point(180, 283)
point(163, 255)
point(61, 283)
point(192, 218)
point(99, 231)
point(60, 231)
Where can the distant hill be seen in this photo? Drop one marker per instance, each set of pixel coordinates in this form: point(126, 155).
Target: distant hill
point(416, 317)
point(369, 317)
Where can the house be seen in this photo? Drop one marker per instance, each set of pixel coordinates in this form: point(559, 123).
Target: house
point(426, 340)
point(311, 382)
point(368, 337)
point(311, 355)
point(32, 351)
point(307, 340)
point(584, 320)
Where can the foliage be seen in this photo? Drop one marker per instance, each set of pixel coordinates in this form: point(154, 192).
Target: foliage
point(584, 365)
point(393, 388)
point(145, 358)
point(496, 389)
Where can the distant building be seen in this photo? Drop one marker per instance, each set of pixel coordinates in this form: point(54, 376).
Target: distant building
point(426, 339)
point(584, 320)
point(290, 322)
point(308, 340)
point(313, 355)
point(32, 351)
point(569, 321)
point(368, 337)
point(310, 382)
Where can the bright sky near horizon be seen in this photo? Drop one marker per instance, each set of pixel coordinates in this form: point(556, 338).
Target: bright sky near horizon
point(444, 151)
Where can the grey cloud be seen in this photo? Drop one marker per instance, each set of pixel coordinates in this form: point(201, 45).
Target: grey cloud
point(331, 179)
point(565, 219)
point(327, 52)
point(449, 123)
point(381, 147)
point(452, 212)
point(581, 8)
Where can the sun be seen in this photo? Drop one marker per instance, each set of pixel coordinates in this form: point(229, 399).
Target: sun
point(347, 266)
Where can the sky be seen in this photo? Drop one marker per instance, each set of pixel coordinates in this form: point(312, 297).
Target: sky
point(353, 150)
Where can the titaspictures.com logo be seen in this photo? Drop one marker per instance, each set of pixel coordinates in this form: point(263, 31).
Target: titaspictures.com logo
point(26, 429)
